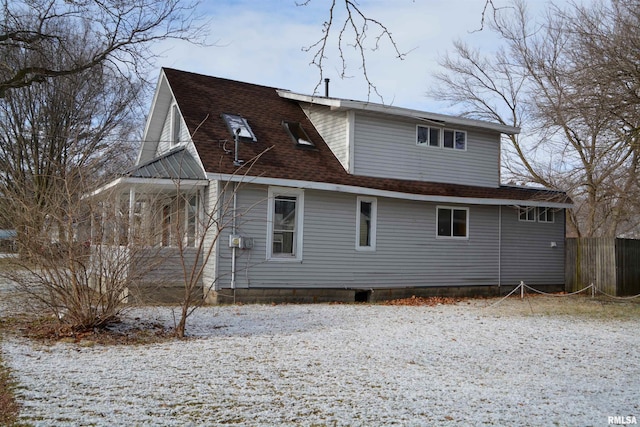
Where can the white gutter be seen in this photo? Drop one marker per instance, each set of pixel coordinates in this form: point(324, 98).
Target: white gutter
point(364, 191)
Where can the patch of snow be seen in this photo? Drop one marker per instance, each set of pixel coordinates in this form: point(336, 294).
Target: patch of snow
point(340, 365)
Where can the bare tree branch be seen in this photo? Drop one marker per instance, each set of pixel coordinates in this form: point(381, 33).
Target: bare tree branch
point(119, 32)
point(353, 32)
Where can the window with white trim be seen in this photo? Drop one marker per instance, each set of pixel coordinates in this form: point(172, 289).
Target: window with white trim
point(452, 222)
point(429, 136)
point(527, 214)
point(176, 125)
point(533, 214)
point(545, 215)
point(285, 219)
point(366, 223)
point(443, 138)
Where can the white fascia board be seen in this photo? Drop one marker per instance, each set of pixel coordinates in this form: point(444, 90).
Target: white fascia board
point(345, 104)
point(364, 191)
point(150, 117)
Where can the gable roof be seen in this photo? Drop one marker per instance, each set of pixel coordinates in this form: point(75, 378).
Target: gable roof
point(203, 99)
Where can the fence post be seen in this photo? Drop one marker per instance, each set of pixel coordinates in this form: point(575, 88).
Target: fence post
point(593, 290)
point(521, 289)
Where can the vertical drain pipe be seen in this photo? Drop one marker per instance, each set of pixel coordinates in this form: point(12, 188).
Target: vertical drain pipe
point(234, 188)
point(499, 248)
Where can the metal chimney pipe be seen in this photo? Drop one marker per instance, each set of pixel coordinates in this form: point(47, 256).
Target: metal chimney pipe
point(326, 88)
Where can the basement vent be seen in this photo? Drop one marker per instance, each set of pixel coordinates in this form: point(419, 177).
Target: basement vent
point(362, 296)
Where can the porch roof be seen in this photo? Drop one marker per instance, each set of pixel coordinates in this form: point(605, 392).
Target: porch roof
point(176, 169)
point(177, 164)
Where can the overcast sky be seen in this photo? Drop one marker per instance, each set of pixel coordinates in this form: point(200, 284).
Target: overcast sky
point(262, 41)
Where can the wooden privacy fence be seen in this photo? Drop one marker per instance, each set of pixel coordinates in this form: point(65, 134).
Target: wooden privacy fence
point(612, 265)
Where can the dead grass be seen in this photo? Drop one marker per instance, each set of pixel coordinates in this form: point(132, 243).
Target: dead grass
point(566, 305)
point(428, 301)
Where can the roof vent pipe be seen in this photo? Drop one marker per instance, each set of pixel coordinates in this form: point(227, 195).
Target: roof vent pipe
point(326, 88)
point(236, 137)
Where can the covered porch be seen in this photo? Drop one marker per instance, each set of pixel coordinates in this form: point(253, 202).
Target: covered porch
point(154, 213)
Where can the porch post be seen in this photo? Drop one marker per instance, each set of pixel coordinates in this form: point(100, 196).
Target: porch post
point(132, 215)
point(116, 217)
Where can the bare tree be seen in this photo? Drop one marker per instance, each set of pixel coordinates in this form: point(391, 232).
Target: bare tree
point(581, 129)
point(76, 125)
point(118, 34)
point(199, 233)
point(72, 266)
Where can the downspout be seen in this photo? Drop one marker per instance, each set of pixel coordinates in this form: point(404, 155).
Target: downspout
point(499, 248)
point(233, 232)
point(237, 162)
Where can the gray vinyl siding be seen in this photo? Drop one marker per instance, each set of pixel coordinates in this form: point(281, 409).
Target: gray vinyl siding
point(527, 254)
point(332, 126)
point(387, 148)
point(407, 251)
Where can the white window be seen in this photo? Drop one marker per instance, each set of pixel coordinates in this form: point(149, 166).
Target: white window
point(527, 214)
point(444, 138)
point(429, 136)
point(452, 222)
point(285, 218)
point(176, 126)
point(455, 139)
point(366, 223)
point(192, 220)
point(532, 214)
point(545, 215)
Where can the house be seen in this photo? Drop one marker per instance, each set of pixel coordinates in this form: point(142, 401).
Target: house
point(320, 198)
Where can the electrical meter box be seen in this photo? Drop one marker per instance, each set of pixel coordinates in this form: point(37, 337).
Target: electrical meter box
point(240, 242)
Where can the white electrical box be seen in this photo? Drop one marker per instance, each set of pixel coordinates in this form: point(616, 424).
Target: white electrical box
point(240, 242)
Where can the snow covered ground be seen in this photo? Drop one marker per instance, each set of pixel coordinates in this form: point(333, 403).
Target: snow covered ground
point(366, 365)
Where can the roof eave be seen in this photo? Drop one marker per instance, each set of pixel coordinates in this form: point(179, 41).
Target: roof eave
point(366, 191)
point(346, 104)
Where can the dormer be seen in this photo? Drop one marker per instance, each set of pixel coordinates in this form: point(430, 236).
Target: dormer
point(382, 141)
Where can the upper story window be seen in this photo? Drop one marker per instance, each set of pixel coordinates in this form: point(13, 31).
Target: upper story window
point(176, 125)
point(285, 218)
point(545, 215)
point(428, 136)
point(527, 214)
point(444, 138)
point(366, 223)
point(299, 136)
point(239, 125)
point(452, 222)
point(532, 214)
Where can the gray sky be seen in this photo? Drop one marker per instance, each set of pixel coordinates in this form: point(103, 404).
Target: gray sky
point(261, 41)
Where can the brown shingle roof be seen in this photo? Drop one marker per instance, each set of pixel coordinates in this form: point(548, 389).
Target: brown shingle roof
point(202, 99)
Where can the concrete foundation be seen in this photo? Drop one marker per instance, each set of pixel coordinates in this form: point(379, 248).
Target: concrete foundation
point(310, 296)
